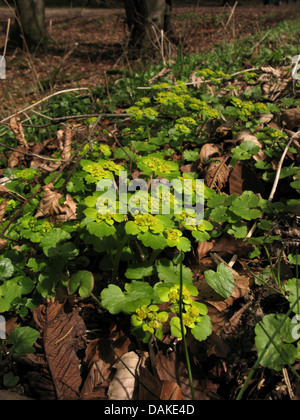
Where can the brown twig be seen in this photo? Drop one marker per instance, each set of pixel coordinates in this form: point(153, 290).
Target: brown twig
point(41, 188)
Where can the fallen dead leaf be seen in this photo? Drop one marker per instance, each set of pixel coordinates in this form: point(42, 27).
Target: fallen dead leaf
point(217, 174)
point(100, 356)
point(204, 248)
point(208, 150)
point(49, 205)
point(62, 336)
point(291, 117)
point(16, 126)
point(123, 385)
point(3, 206)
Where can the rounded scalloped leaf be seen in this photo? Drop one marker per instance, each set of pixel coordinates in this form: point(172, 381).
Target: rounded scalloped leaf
point(83, 281)
point(278, 352)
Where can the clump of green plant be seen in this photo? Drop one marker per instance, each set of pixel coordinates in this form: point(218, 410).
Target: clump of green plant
point(143, 303)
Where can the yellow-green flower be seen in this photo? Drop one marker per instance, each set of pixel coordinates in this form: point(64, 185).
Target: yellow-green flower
point(146, 222)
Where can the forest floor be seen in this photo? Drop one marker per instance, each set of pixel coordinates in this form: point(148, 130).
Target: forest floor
point(86, 43)
point(89, 50)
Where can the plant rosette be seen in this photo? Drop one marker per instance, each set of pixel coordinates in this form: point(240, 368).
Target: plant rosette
point(149, 229)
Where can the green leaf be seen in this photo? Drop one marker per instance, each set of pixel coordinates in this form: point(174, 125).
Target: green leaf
point(292, 287)
point(131, 228)
point(84, 280)
point(22, 340)
point(184, 245)
point(296, 184)
point(6, 269)
point(113, 299)
point(221, 281)
point(139, 271)
point(9, 292)
point(66, 251)
point(245, 206)
point(202, 329)
point(238, 230)
point(170, 273)
point(10, 380)
point(278, 353)
point(176, 327)
point(153, 241)
point(294, 259)
point(101, 230)
point(245, 150)
point(219, 214)
point(136, 294)
point(52, 238)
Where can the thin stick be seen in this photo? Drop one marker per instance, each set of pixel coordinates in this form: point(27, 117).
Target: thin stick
point(41, 101)
point(6, 38)
point(295, 136)
point(231, 14)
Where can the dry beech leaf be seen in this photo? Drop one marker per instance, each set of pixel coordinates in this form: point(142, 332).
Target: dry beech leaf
point(271, 70)
point(16, 126)
point(62, 335)
point(171, 391)
point(217, 175)
point(3, 206)
point(196, 80)
point(68, 210)
point(208, 150)
point(49, 205)
point(67, 145)
point(291, 117)
point(150, 386)
point(100, 356)
point(204, 248)
point(266, 118)
point(123, 385)
point(3, 243)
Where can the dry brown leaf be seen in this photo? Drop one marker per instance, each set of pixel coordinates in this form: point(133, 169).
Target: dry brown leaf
point(204, 248)
point(271, 70)
point(3, 206)
point(150, 386)
point(62, 335)
point(171, 391)
point(123, 385)
point(16, 126)
point(208, 150)
point(196, 80)
point(228, 246)
point(243, 178)
point(3, 243)
point(67, 146)
point(49, 205)
point(100, 356)
point(266, 118)
point(291, 117)
point(217, 175)
point(171, 369)
point(68, 210)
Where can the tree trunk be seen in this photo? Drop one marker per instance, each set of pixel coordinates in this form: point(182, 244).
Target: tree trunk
point(146, 19)
point(31, 16)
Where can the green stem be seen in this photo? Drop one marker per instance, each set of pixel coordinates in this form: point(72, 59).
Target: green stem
point(96, 300)
point(117, 259)
point(188, 364)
